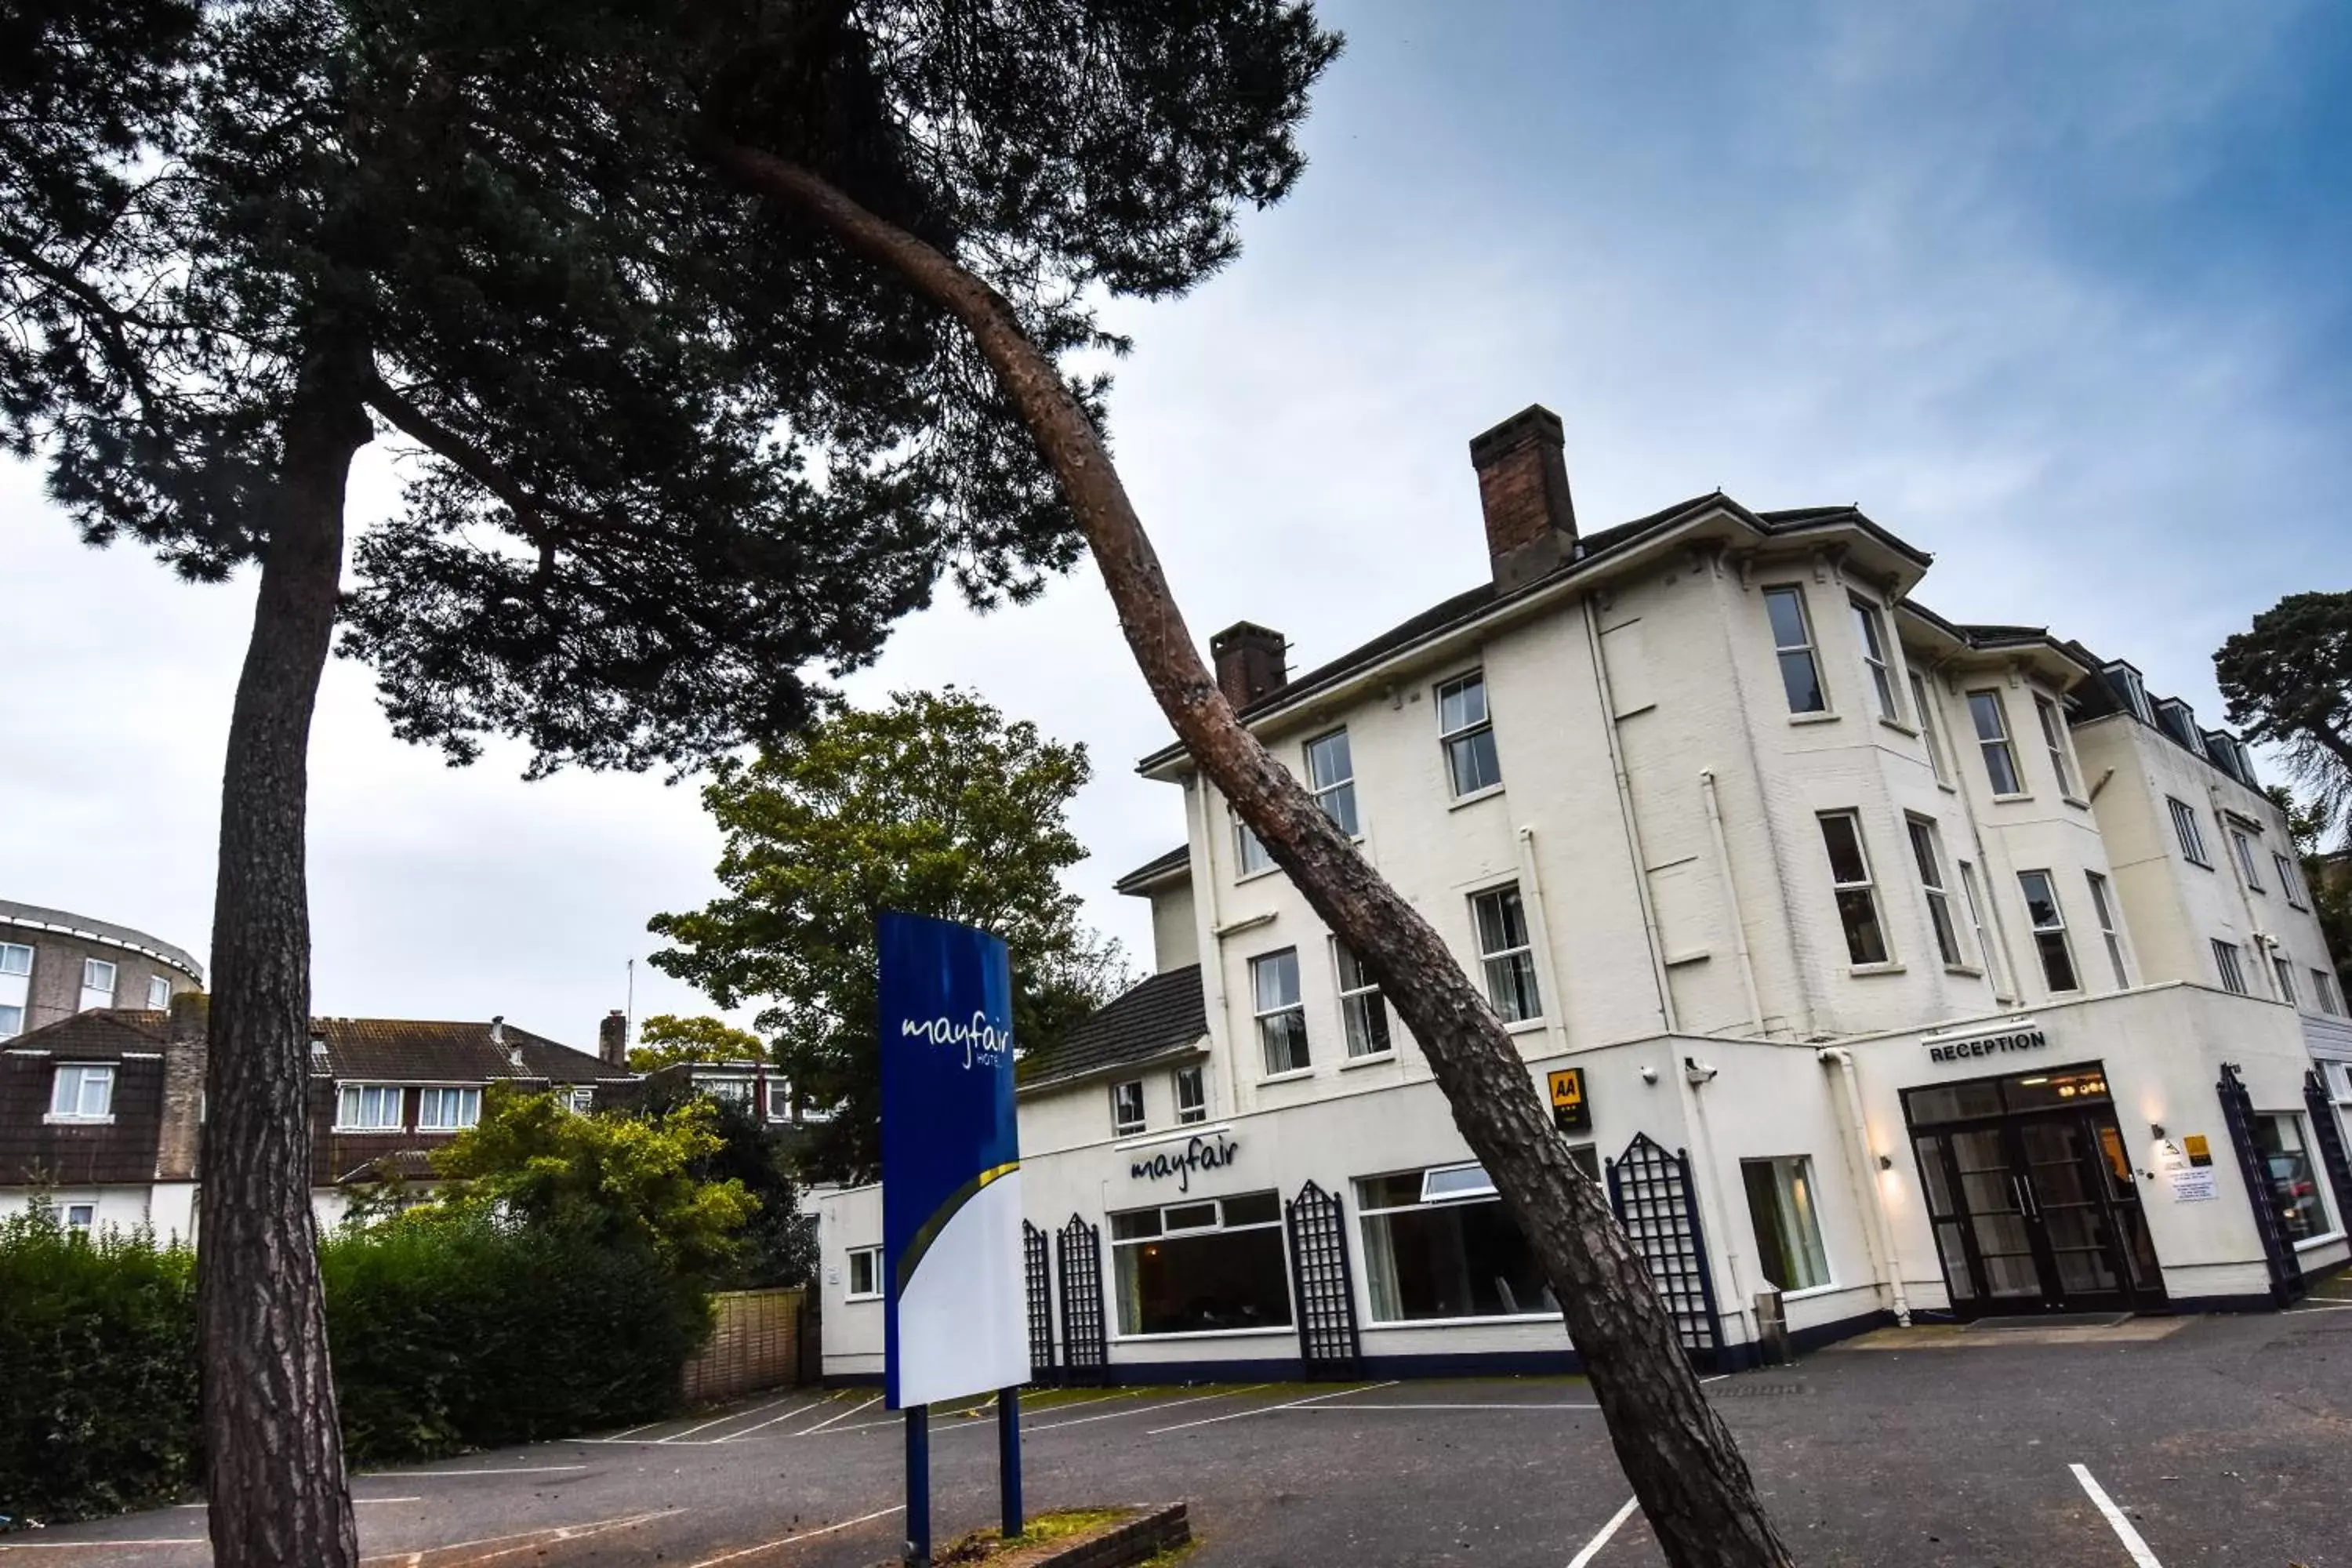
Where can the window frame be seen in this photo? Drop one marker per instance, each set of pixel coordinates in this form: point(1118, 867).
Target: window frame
point(7, 948)
point(1120, 1125)
point(1295, 1007)
point(83, 1075)
point(1468, 734)
point(2290, 883)
point(1363, 1007)
point(2231, 964)
point(872, 1257)
point(363, 1088)
point(2002, 741)
point(2052, 721)
point(1161, 1232)
point(159, 1003)
point(1927, 855)
point(2331, 1000)
point(2242, 849)
point(1251, 858)
point(2283, 969)
point(1341, 789)
point(2055, 927)
point(1798, 1187)
point(438, 1095)
point(1521, 959)
point(1842, 888)
point(1931, 730)
point(1369, 1212)
point(1809, 649)
point(2103, 910)
point(87, 1227)
point(1190, 1113)
point(2188, 833)
point(1975, 899)
point(1877, 658)
point(113, 982)
point(2313, 1175)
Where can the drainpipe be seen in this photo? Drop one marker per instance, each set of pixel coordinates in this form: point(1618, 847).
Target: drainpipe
point(1857, 1141)
point(1731, 897)
point(1737, 1304)
point(1633, 826)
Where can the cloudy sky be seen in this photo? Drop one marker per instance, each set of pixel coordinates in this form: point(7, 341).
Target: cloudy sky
point(2056, 293)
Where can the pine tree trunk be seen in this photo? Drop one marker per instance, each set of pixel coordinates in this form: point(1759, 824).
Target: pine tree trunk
point(1681, 1461)
point(273, 1445)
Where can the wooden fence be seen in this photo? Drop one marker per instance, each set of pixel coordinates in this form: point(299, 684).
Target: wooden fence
point(756, 1342)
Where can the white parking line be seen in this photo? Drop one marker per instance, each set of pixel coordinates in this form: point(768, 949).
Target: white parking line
point(1269, 1409)
point(722, 1420)
point(2316, 1306)
point(527, 1540)
point(803, 1535)
point(1343, 1409)
point(491, 1470)
point(1592, 1547)
point(831, 1419)
point(94, 1546)
point(773, 1420)
point(2140, 1555)
point(1139, 1410)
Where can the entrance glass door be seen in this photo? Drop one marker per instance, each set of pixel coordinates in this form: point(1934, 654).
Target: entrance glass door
point(2032, 1196)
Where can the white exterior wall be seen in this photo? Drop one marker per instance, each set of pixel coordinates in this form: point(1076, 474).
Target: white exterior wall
point(1175, 939)
point(121, 1207)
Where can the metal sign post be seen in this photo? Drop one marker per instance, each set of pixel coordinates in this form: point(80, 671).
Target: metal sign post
point(956, 1318)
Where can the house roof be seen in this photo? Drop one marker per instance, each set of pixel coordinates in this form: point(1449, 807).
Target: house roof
point(1177, 860)
point(1162, 1015)
point(1472, 603)
point(415, 1050)
point(103, 1034)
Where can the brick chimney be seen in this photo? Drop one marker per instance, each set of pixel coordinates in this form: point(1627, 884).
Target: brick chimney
point(612, 1038)
point(1523, 491)
point(1250, 662)
point(177, 1140)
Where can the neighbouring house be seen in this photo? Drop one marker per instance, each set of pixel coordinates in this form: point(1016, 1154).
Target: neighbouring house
point(102, 1110)
point(1881, 965)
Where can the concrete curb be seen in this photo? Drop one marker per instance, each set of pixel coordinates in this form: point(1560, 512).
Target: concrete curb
point(1138, 1541)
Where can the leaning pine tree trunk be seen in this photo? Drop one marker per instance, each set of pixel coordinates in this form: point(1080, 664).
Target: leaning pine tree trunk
point(273, 1446)
point(1681, 1458)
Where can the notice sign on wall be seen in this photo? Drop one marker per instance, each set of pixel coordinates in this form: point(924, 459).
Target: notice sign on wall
point(2192, 1178)
point(956, 1317)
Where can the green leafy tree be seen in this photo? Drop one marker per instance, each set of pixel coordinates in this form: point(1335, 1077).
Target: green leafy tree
point(2288, 682)
point(665, 1040)
point(933, 804)
point(672, 459)
point(778, 1243)
point(620, 1178)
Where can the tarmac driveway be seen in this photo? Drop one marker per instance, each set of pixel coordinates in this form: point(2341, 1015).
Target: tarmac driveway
point(2174, 1441)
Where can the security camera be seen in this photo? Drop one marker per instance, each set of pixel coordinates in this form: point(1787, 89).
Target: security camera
point(1649, 1075)
point(1694, 1072)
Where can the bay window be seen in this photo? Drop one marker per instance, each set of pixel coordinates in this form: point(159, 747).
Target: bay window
point(1929, 855)
point(1991, 720)
point(2049, 922)
point(1870, 626)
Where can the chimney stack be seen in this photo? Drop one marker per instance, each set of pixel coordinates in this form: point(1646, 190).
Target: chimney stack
point(1250, 662)
point(184, 1048)
point(612, 1038)
point(1523, 490)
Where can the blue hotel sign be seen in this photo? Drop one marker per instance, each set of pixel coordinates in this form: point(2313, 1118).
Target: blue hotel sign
point(956, 1317)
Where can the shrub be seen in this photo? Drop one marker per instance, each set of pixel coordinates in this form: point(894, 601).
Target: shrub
point(453, 1330)
point(97, 1370)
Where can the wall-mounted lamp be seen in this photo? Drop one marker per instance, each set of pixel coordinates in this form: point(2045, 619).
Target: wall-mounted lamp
point(2156, 1130)
point(1886, 1161)
point(1649, 1075)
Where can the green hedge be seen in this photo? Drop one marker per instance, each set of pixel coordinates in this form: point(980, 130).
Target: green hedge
point(98, 1370)
point(452, 1333)
point(447, 1334)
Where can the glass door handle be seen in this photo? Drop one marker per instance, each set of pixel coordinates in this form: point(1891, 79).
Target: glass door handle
point(2021, 1189)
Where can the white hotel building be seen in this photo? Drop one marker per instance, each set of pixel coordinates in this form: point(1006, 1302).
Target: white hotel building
point(1908, 970)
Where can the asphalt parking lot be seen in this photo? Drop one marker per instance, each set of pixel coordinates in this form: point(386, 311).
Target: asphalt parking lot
point(2173, 1442)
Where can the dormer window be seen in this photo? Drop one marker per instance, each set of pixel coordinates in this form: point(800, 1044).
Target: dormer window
point(369, 1108)
point(2127, 680)
point(447, 1110)
point(83, 1092)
